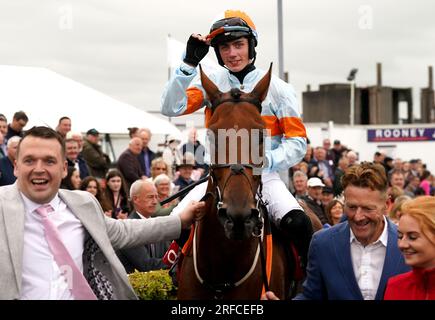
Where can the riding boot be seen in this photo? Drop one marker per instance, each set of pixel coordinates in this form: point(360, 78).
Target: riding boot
point(297, 229)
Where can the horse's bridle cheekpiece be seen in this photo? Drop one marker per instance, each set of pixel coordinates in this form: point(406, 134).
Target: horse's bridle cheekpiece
point(237, 169)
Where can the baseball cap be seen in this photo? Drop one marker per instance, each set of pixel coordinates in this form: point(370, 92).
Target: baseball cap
point(93, 132)
point(315, 182)
point(337, 142)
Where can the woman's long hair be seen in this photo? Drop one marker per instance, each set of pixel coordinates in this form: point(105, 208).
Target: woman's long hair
point(66, 182)
point(100, 196)
point(125, 203)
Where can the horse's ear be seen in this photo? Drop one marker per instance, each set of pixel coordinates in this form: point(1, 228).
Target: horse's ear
point(262, 86)
point(210, 88)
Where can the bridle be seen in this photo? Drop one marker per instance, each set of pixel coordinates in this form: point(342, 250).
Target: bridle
point(218, 194)
point(236, 169)
point(235, 98)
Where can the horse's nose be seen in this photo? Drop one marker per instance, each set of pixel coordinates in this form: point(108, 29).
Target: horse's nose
point(239, 224)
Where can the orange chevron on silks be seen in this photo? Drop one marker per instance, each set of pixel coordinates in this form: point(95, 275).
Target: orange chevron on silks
point(195, 99)
point(292, 127)
point(272, 123)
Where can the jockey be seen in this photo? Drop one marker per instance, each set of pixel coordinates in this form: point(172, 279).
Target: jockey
point(234, 39)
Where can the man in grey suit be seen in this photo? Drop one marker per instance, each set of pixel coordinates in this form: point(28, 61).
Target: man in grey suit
point(148, 257)
point(28, 263)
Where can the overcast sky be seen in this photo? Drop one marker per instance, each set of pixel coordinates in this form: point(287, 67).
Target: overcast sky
point(119, 46)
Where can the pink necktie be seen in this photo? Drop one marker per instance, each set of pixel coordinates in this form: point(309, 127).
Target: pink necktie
point(77, 283)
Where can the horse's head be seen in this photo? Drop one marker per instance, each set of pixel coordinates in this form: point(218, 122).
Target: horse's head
point(235, 134)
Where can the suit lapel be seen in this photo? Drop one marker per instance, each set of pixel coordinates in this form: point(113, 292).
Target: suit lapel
point(392, 260)
point(134, 215)
point(84, 210)
point(341, 243)
point(14, 217)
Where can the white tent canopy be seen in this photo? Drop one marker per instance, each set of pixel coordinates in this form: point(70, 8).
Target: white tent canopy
point(45, 96)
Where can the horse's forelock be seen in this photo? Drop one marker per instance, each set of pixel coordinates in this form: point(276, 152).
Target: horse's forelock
point(236, 94)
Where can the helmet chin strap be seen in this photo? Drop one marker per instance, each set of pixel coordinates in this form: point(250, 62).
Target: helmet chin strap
point(242, 73)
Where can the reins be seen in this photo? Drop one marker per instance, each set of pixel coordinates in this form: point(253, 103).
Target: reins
point(184, 191)
point(219, 289)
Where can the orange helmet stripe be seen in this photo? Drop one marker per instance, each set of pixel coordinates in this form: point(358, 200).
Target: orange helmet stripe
point(240, 14)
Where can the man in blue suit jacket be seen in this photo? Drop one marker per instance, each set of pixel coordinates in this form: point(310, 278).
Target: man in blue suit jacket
point(354, 259)
point(330, 273)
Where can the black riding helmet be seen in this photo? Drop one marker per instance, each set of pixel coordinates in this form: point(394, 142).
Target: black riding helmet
point(230, 28)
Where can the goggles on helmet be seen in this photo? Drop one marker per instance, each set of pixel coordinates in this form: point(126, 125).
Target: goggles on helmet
point(235, 27)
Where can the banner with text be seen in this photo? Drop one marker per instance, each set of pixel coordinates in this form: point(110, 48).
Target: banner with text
point(401, 135)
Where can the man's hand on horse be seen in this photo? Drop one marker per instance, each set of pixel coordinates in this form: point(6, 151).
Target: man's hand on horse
point(196, 49)
point(193, 211)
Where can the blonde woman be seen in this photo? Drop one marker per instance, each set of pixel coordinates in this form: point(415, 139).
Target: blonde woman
point(416, 233)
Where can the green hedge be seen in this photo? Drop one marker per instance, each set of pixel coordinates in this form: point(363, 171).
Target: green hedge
point(153, 285)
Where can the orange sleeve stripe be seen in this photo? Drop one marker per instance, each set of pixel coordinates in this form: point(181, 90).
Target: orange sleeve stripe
point(288, 126)
point(292, 127)
point(272, 123)
point(195, 99)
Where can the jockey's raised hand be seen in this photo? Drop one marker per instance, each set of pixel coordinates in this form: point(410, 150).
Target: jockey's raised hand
point(196, 49)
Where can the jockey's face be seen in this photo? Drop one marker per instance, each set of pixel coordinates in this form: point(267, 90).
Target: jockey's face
point(235, 54)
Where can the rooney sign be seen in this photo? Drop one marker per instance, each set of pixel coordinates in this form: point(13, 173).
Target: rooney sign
point(401, 134)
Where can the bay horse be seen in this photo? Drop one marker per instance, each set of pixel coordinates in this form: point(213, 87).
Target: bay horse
point(225, 256)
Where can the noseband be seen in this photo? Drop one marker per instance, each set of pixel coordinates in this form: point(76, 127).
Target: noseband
point(236, 169)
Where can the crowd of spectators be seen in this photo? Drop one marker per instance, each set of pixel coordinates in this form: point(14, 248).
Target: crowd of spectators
point(317, 178)
point(132, 186)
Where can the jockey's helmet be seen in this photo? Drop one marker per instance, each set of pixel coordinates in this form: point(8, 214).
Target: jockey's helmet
point(232, 25)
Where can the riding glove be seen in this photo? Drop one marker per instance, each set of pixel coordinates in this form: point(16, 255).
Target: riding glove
point(196, 50)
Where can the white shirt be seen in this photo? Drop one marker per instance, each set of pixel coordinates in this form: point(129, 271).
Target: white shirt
point(76, 165)
point(41, 277)
point(368, 262)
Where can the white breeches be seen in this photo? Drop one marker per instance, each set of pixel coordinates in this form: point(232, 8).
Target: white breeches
point(279, 199)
